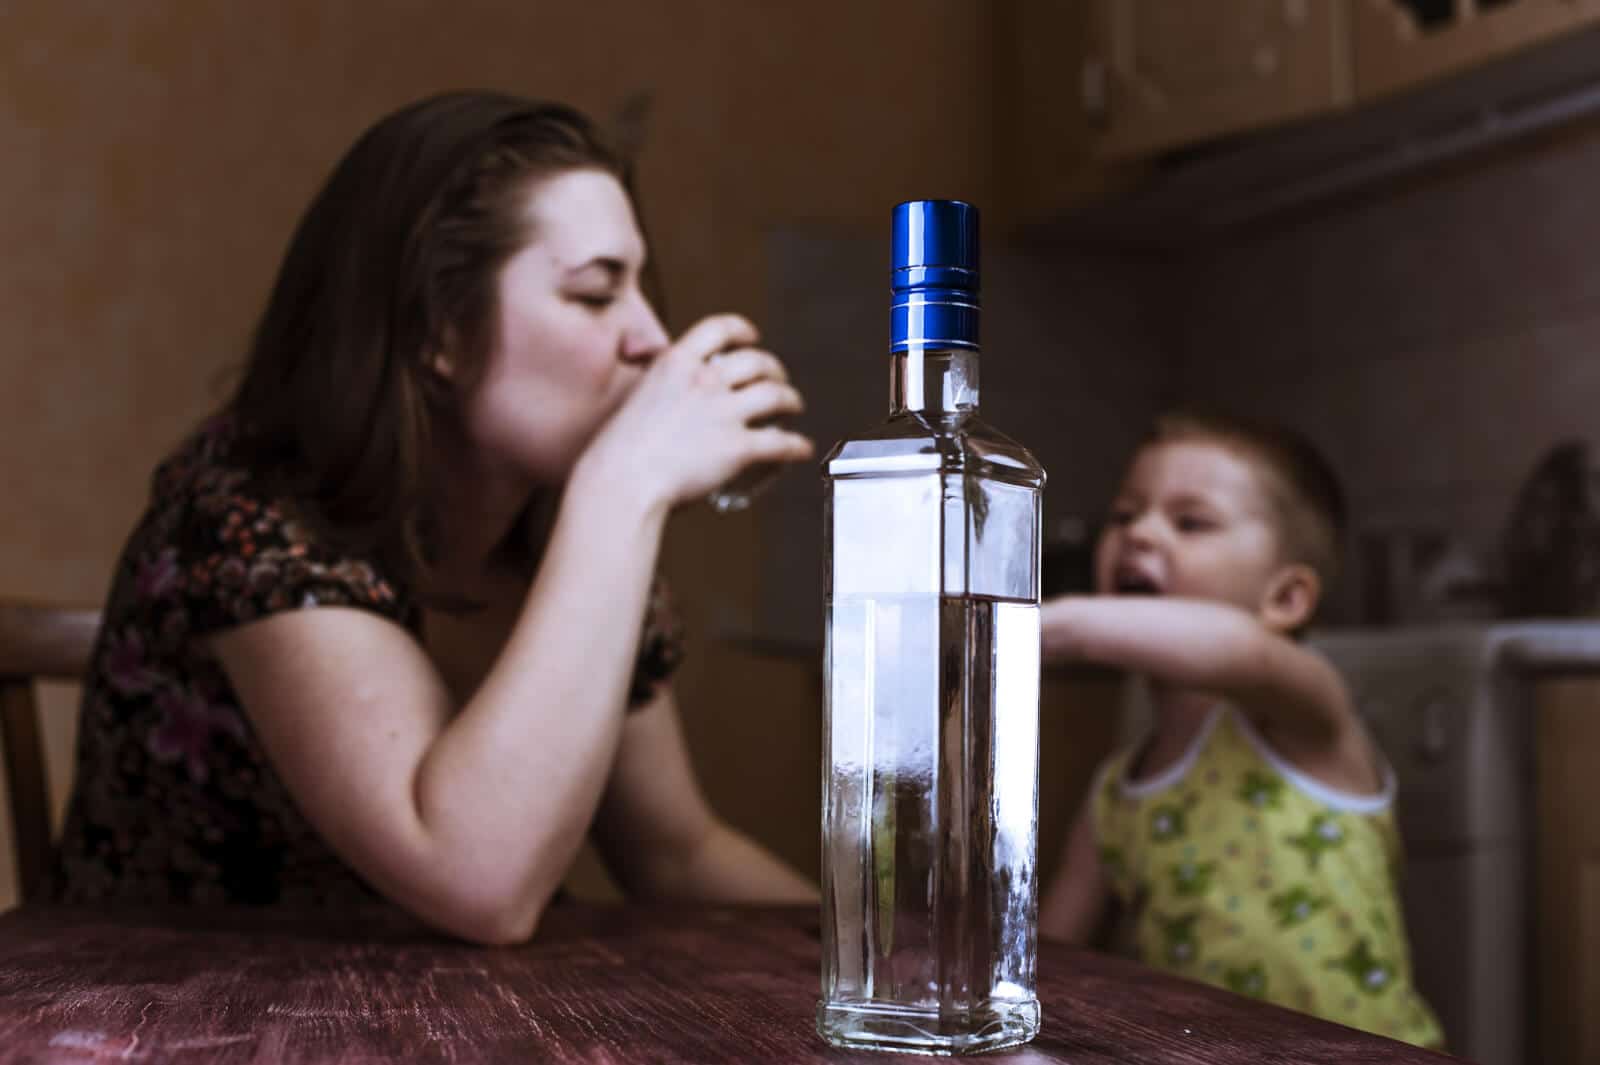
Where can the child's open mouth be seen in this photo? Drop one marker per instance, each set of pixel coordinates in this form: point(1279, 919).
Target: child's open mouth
point(1134, 582)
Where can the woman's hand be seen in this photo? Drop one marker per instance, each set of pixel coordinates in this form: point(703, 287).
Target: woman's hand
point(696, 418)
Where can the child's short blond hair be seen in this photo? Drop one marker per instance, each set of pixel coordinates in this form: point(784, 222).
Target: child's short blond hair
point(1306, 497)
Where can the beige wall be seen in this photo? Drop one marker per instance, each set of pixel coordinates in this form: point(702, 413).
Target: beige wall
point(157, 154)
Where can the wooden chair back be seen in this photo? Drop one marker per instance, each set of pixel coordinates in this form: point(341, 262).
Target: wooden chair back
point(37, 642)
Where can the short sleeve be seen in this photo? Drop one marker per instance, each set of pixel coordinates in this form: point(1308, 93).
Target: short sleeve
point(241, 556)
point(660, 647)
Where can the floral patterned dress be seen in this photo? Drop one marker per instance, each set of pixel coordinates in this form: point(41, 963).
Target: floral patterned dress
point(174, 798)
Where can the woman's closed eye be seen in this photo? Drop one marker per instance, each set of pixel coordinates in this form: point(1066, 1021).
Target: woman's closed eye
point(595, 301)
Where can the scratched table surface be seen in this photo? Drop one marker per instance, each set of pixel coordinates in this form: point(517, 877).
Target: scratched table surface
point(597, 985)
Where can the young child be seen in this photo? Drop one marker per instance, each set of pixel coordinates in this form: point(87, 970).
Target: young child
point(1249, 837)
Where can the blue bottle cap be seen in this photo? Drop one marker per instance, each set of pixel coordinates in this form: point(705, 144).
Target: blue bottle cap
point(935, 275)
point(936, 243)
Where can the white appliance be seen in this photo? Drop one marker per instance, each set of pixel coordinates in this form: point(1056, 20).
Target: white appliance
point(1451, 707)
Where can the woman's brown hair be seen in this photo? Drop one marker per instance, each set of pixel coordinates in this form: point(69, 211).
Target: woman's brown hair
point(396, 260)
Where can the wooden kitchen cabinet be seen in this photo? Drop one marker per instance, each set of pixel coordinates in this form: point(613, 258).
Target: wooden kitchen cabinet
point(1042, 133)
point(1097, 97)
point(1165, 73)
point(1567, 899)
point(1080, 718)
point(1398, 44)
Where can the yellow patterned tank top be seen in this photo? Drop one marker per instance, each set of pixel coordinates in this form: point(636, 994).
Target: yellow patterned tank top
point(1237, 869)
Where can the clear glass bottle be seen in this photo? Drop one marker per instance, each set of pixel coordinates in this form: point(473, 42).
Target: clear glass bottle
point(931, 741)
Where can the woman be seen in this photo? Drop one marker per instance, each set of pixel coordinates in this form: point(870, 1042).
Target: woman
point(389, 624)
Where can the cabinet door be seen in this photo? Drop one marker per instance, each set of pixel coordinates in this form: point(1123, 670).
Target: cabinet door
point(1568, 899)
point(1170, 72)
point(1401, 43)
point(1041, 134)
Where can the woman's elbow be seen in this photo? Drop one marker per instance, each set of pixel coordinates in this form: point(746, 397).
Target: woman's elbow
point(504, 926)
point(510, 930)
point(493, 915)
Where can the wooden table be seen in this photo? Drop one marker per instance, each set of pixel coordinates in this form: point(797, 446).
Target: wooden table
point(598, 985)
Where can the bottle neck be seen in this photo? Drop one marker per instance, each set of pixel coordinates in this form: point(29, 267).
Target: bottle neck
point(933, 380)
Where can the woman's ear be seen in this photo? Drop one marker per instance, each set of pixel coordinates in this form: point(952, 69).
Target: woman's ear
point(442, 365)
point(1291, 598)
point(441, 361)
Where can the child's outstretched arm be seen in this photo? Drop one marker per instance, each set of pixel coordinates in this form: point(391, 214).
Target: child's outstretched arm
point(1076, 902)
point(1209, 646)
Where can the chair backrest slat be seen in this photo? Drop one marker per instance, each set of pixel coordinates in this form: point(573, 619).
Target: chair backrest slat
point(36, 643)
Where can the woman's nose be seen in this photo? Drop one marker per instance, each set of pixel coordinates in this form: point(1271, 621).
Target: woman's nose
point(644, 338)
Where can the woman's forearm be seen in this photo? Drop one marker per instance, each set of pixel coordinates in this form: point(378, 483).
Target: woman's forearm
point(510, 785)
point(728, 866)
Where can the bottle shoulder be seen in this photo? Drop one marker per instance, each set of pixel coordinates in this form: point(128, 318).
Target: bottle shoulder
point(914, 443)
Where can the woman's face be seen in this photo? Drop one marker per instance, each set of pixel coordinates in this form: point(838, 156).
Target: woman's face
point(574, 331)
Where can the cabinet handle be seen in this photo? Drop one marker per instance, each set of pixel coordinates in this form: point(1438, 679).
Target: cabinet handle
point(1433, 727)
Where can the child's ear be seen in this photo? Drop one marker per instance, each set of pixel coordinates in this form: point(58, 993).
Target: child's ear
point(1291, 597)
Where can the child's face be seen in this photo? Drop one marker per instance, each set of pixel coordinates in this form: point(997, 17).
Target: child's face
point(1193, 519)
